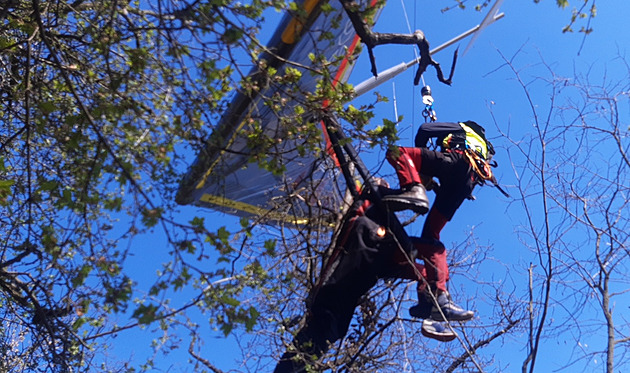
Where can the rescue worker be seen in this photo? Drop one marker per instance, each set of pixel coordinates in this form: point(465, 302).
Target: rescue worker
point(459, 166)
point(365, 251)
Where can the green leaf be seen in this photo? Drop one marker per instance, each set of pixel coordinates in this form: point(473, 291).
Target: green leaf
point(114, 204)
point(270, 247)
point(223, 235)
point(6, 185)
point(253, 318)
point(78, 323)
point(150, 217)
point(79, 279)
point(198, 224)
point(562, 3)
point(229, 301)
point(227, 328)
point(5, 42)
point(48, 185)
point(145, 313)
point(232, 35)
point(47, 107)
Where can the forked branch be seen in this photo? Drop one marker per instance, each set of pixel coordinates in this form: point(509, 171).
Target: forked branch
point(372, 39)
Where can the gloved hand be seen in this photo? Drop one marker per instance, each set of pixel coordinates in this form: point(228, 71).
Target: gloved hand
point(430, 183)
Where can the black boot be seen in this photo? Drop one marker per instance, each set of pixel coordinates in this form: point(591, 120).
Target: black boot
point(437, 330)
point(446, 309)
point(423, 309)
point(413, 198)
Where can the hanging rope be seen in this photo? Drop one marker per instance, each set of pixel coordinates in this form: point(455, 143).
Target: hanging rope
point(483, 169)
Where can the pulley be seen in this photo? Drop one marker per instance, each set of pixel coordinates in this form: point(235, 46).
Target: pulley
point(428, 113)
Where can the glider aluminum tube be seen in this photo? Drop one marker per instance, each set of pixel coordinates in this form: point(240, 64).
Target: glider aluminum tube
point(375, 81)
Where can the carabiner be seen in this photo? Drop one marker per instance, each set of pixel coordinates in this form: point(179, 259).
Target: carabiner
point(427, 100)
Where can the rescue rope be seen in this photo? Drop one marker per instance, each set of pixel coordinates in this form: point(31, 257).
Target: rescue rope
point(482, 169)
point(479, 165)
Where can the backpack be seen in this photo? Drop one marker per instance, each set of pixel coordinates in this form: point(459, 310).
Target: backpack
point(472, 137)
point(476, 140)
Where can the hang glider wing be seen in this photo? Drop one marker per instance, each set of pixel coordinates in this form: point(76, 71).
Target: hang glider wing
point(490, 17)
point(222, 178)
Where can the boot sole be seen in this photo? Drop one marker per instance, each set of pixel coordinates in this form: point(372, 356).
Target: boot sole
point(446, 336)
point(419, 207)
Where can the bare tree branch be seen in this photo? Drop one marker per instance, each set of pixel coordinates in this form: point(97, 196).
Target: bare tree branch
point(372, 39)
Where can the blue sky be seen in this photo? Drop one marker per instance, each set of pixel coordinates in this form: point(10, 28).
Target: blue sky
point(483, 89)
